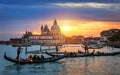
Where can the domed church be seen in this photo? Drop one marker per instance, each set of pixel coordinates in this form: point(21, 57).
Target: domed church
point(48, 36)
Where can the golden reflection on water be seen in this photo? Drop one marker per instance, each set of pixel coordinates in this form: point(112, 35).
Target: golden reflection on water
point(90, 65)
point(86, 66)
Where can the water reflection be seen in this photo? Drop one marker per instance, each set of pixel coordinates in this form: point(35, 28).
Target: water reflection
point(12, 69)
point(53, 68)
point(67, 66)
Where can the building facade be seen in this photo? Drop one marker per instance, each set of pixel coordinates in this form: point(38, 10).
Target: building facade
point(74, 40)
point(108, 33)
point(48, 36)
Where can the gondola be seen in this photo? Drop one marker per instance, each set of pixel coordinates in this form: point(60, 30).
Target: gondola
point(50, 54)
point(71, 55)
point(107, 54)
point(23, 61)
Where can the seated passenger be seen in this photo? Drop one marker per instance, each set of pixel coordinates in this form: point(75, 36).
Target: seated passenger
point(35, 57)
point(29, 58)
point(96, 53)
point(38, 58)
point(79, 51)
point(65, 51)
point(42, 57)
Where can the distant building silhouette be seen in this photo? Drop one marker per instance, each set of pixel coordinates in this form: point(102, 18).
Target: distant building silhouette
point(48, 36)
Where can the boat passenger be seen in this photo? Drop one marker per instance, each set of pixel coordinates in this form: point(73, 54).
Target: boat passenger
point(42, 57)
point(35, 57)
point(74, 54)
point(38, 58)
point(96, 53)
point(29, 58)
point(65, 51)
point(79, 51)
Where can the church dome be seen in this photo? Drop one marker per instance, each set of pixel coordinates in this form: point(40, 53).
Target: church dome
point(55, 26)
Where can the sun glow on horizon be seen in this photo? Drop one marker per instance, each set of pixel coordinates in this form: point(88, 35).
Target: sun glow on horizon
point(66, 28)
point(79, 27)
point(85, 28)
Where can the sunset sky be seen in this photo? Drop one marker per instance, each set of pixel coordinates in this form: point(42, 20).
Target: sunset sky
point(75, 17)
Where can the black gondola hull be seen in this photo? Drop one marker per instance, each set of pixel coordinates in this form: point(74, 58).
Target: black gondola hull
point(85, 55)
point(23, 61)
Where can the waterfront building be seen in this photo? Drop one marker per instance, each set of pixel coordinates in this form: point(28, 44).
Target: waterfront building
point(48, 36)
point(109, 33)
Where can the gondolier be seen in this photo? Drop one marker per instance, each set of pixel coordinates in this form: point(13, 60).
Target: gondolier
point(57, 49)
point(86, 49)
point(18, 52)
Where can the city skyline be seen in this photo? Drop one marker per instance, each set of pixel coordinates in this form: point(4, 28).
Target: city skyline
point(87, 18)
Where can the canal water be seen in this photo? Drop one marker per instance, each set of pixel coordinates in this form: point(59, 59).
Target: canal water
point(103, 65)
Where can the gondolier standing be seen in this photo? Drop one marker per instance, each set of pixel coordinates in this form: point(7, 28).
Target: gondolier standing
point(18, 52)
point(57, 50)
point(86, 49)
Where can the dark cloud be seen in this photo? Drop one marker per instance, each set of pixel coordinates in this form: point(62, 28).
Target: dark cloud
point(12, 10)
point(42, 2)
point(37, 12)
point(98, 14)
point(23, 13)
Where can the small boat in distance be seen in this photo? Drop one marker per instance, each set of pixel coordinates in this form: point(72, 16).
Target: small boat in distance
point(16, 42)
point(22, 45)
point(23, 61)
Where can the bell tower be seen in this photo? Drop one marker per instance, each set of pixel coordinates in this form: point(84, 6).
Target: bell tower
point(42, 30)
